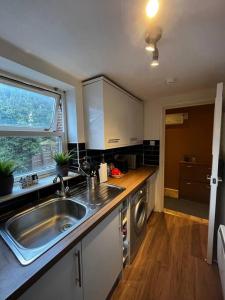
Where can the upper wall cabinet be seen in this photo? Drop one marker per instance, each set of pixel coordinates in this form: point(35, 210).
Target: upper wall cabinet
point(113, 117)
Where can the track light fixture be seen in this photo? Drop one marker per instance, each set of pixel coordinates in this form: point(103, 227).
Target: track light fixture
point(151, 39)
point(155, 58)
point(150, 45)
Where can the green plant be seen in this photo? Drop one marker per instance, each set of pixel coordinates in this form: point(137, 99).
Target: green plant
point(62, 158)
point(7, 167)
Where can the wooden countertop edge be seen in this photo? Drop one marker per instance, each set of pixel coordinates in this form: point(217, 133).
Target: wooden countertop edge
point(34, 271)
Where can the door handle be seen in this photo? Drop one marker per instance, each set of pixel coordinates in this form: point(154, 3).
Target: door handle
point(78, 280)
point(219, 179)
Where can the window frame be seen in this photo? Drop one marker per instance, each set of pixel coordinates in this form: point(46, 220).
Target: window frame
point(11, 131)
point(56, 96)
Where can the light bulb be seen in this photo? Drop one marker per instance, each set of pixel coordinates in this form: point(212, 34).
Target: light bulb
point(154, 63)
point(152, 8)
point(150, 47)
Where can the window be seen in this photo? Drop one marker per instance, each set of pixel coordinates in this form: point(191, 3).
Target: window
point(31, 127)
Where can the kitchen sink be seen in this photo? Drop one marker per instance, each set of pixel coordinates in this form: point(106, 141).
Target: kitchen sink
point(32, 232)
point(97, 197)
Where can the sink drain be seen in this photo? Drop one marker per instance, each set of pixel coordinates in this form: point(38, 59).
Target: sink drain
point(66, 226)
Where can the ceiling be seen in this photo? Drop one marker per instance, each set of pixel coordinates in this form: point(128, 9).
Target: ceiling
point(86, 37)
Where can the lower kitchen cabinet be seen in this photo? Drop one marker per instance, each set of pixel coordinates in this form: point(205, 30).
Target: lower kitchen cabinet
point(89, 270)
point(62, 281)
point(102, 257)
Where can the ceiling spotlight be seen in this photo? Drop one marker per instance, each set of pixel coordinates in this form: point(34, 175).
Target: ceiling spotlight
point(155, 58)
point(152, 8)
point(150, 47)
point(152, 37)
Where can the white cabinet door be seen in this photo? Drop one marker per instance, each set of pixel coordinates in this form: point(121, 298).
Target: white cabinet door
point(140, 121)
point(94, 115)
point(113, 117)
point(116, 108)
point(102, 257)
point(62, 281)
point(136, 121)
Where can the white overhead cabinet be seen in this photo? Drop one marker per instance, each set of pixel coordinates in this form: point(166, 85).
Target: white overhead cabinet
point(113, 117)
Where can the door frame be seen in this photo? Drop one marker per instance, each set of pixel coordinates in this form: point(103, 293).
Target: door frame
point(161, 175)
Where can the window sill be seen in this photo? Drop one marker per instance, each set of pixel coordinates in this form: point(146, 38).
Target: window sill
point(43, 183)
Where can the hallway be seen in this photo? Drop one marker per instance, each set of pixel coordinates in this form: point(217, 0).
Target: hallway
point(170, 264)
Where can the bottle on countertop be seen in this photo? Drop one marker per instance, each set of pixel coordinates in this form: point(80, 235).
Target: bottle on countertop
point(103, 172)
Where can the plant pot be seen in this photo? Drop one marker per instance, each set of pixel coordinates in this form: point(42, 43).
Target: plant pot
point(62, 170)
point(6, 185)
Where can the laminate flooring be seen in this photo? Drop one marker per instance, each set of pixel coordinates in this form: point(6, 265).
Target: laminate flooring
point(170, 264)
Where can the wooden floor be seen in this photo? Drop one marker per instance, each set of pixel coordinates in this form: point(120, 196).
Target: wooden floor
point(170, 264)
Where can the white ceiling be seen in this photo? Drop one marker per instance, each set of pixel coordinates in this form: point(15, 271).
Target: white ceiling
point(89, 37)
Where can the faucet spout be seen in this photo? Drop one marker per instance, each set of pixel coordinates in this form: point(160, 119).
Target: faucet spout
point(63, 191)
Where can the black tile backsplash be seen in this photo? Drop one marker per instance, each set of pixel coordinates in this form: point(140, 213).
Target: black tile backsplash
point(12, 206)
point(78, 151)
point(149, 155)
point(110, 153)
point(149, 152)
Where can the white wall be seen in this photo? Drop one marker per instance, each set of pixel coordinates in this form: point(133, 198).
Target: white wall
point(29, 66)
point(154, 126)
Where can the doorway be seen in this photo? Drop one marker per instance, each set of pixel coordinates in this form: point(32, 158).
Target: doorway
point(188, 159)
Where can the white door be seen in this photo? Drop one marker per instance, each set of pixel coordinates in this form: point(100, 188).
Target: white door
point(215, 162)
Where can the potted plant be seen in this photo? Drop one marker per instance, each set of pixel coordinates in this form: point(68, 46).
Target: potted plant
point(7, 167)
point(62, 162)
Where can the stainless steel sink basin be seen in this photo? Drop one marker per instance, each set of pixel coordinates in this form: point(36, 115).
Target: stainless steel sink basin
point(98, 197)
point(34, 231)
point(31, 233)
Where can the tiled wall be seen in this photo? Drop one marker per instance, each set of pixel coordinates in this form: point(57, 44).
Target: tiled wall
point(148, 151)
point(151, 152)
point(8, 208)
point(79, 152)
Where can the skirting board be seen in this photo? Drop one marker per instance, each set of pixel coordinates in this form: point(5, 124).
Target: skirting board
point(172, 193)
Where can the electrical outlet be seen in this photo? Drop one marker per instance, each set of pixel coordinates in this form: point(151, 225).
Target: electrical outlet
point(152, 143)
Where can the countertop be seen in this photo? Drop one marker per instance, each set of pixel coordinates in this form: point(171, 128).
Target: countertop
point(15, 278)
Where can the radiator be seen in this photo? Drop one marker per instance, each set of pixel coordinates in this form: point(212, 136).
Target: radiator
point(221, 256)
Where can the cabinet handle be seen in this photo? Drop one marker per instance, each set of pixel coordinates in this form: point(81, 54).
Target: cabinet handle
point(120, 220)
point(133, 139)
point(111, 141)
point(78, 280)
point(188, 183)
